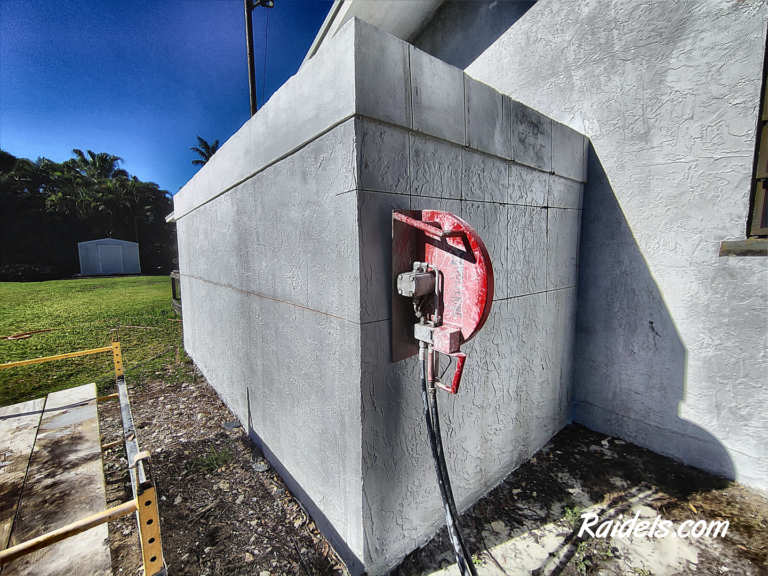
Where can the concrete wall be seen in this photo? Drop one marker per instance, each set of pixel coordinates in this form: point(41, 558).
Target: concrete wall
point(515, 391)
point(671, 339)
point(271, 317)
point(285, 240)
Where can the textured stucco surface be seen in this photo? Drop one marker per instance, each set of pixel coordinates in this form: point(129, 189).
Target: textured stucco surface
point(672, 342)
point(286, 278)
point(261, 330)
point(516, 384)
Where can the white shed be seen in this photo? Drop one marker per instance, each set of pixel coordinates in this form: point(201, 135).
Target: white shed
point(108, 256)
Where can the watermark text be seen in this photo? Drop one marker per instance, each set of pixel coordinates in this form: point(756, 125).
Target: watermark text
point(658, 528)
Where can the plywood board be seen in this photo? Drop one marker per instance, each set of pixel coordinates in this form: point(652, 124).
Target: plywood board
point(18, 428)
point(65, 483)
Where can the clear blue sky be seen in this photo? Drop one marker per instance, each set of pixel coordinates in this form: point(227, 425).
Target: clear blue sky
point(140, 79)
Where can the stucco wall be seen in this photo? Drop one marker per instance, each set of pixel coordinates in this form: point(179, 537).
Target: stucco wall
point(672, 343)
point(271, 317)
point(286, 274)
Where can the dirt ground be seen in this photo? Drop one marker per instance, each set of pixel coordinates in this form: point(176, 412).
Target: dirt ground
point(224, 510)
point(529, 525)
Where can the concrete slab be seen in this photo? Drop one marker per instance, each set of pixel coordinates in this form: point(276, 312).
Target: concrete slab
point(484, 178)
point(564, 192)
point(309, 431)
point(435, 168)
point(375, 225)
point(446, 204)
point(231, 163)
point(488, 119)
point(527, 250)
point(382, 75)
point(438, 97)
point(401, 506)
point(64, 484)
point(531, 137)
point(527, 186)
point(563, 229)
point(561, 326)
point(568, 157)
point(384, 158)
point(18, 427)
point(490, 222)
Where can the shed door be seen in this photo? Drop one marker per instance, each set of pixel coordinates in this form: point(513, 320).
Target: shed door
point(111, 258)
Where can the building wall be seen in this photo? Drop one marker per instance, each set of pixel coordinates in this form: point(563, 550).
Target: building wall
point(460, 31)
point(271, 317)
point(286, 274)
point(672, 347)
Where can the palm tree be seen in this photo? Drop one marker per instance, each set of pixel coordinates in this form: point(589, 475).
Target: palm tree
point(98, 166)
point(204, 150)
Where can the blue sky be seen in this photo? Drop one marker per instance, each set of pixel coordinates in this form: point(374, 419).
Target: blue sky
point(140, 79)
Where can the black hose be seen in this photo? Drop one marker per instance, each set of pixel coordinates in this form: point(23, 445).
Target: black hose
point(446, 479)
point(463, 558)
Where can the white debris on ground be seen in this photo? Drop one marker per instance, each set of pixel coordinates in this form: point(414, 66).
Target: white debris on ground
point(533, 523)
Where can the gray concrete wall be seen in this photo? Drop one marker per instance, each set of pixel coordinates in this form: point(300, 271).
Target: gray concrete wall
point(516, 384)
point(271, 317)
point(671, 339)
point(285, 270)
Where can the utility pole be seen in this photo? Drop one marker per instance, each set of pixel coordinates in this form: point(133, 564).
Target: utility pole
point(249, 6)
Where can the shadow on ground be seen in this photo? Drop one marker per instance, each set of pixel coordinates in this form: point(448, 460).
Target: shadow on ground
point(530, 524)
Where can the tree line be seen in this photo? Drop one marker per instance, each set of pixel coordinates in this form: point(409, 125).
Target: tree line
point(47, 207)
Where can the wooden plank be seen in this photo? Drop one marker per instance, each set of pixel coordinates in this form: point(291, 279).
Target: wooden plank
point(18, 428)
point(65, 483)
point(749, 247)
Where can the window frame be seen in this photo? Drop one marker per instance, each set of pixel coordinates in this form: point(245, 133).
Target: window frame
point(757, 218)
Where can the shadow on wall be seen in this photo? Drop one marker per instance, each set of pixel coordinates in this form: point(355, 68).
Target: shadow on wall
point(461, 31)
point(630, 364)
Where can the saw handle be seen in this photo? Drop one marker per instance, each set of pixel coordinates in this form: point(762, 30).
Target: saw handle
point(454, 389)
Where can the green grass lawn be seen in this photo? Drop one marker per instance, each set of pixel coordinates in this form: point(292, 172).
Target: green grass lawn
point(85, 313)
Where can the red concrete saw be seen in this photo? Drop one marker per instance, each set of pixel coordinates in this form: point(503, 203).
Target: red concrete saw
point(440, 263)
point(443, 280)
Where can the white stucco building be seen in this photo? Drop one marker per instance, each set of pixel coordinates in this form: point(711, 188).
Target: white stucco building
point(605, 151)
